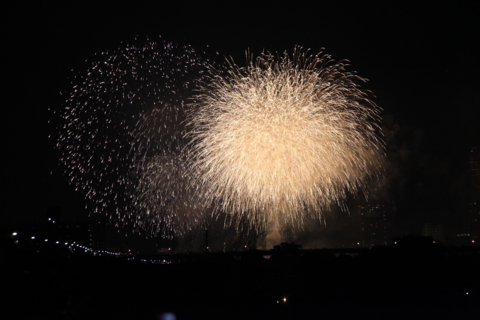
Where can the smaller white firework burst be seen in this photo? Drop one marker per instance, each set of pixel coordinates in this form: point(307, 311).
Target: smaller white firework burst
point(122, 117)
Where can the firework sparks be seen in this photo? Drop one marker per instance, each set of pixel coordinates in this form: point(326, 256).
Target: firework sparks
point(121, 135)
point(162, 191)
point(283, 137)
point(268, 144)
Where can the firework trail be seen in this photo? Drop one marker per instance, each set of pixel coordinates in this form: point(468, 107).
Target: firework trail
point(122, 135)
point(282, 138)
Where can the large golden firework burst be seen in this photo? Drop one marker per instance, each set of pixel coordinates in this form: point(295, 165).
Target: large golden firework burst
point(286, 136)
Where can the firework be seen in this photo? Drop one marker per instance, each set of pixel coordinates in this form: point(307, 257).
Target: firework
point(122, 136)
point(268, 144)
point(163, 199)
point(283, 138)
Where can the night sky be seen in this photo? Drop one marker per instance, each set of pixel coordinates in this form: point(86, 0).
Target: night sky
point(421, 62)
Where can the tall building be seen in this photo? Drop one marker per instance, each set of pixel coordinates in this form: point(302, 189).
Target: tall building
point(474, 172)
point(373, 219)
point(466, 229)
point(474, 201)
point(434, 231)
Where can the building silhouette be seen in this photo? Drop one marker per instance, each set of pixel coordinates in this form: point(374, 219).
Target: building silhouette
point(473, 214)
point(373, 219)
point(435, 231)
point(466, 225)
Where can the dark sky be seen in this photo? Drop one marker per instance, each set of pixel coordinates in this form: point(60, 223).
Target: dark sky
point(421, 62)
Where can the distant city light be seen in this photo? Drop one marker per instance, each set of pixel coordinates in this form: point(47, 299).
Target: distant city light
point(14, 234)
point(33, 238)
point(168, 316)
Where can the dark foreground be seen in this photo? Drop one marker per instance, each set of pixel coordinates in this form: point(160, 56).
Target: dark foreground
point(380, 283)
